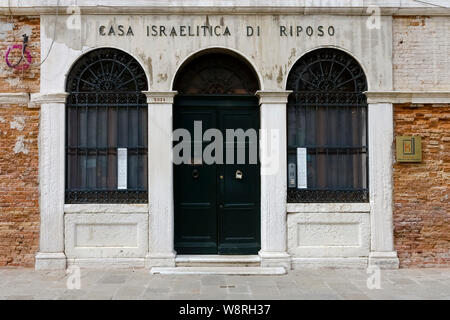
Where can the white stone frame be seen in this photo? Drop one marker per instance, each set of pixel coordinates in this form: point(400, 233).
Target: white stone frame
point(273, 187)
point(273, 209)
point(273, 251)
point(382, 253)
point(380, 150)
point(51, 253)
point(273, 226)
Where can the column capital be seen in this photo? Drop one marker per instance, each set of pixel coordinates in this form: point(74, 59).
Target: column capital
point(160, 97)
point(42, 98)
point(273, 97)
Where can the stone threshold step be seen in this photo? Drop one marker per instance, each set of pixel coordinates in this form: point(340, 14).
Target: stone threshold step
point(217, 259)
point(219, 270)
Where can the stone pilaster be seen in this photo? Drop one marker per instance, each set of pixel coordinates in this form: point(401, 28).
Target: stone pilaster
point(51, 180)
point(273, 179)
point(381, 137)
point(160, 174)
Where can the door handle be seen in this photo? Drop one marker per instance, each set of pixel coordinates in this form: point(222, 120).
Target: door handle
point(239, 175)
point(195, 174)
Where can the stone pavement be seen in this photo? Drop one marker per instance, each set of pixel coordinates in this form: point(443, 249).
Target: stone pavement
point(299, 284)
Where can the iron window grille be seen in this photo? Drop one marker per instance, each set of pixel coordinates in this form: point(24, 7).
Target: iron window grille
point(106, 111)
point(327, 115)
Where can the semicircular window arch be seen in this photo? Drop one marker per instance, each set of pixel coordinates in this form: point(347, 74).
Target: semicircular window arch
point(106, 129)
point(106, 70)
point(216, 73)
point(327, 129)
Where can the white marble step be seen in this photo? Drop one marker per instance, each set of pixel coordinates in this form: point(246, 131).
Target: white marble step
point(217, 260)
point(219, 270)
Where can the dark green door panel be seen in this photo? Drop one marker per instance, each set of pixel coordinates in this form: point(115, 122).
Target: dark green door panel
point(215, 211)
point(239, 226)
point(195, 200)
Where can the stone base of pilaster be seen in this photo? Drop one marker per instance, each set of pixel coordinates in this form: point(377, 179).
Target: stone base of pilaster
point(160, 260)
point(50, 261)
point(384, 260)
point(275, 259)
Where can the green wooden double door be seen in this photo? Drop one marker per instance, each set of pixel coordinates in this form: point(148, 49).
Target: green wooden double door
point(217, 206)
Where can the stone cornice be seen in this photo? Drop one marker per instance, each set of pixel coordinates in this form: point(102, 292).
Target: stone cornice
point(14, 98)
point(413, 97)
point(160, 97)
point(351, 7)
point(273, 97)
point(41, 98)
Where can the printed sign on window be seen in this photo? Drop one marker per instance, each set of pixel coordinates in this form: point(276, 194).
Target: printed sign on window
point(121, 168)
point(301, 169)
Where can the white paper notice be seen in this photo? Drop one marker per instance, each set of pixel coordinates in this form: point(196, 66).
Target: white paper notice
point(301, 169)
point(121, 168)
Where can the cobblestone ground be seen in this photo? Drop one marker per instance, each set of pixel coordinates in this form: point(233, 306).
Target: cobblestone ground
point(299, 284)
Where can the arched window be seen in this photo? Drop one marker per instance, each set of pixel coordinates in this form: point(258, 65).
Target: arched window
point(327, 129)
point(106, 129)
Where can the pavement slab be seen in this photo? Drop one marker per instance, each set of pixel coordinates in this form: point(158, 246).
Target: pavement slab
point(307, 284)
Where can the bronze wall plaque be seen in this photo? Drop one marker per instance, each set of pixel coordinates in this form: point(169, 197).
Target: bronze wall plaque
point(409, 148)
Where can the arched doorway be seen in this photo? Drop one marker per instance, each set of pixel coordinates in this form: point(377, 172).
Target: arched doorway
point(217, 172)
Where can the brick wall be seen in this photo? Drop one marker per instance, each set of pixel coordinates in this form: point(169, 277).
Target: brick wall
point(19, 128)
point(422, 190)
point(11, 31)
point(19, 191)
point(421, 53)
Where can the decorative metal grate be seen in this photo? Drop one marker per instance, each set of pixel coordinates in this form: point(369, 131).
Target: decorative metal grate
point(106, 70)
point(106, 111)
point(327, 115)
point(325, 196)
point(327, 70)
point(106, 196)
point(216, 73)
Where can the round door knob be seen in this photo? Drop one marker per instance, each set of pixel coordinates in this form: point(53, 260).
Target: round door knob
point(195, 174)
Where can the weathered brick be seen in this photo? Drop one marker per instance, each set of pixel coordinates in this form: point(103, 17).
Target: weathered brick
point(19, 189)
point(421, 190)
point(27, 80)
point(421, 53)
point(19, 129)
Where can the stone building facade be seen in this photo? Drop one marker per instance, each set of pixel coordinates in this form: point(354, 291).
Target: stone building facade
point(398, 216)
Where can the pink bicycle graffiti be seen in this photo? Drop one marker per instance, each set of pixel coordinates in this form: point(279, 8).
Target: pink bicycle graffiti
point(25, 54)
